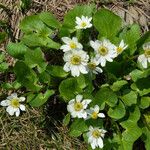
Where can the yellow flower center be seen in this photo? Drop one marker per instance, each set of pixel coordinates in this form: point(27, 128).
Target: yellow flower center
point(103, 50)
point(78, 106)
point(96, 133)
point(83, 24)
point(94, 115)
point(119, 50)
point(147, 53)
point(91, 65)
point(76, 60)
point(14, 103)
point(73, 45)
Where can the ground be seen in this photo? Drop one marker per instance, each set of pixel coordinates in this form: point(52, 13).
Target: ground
point(37, 129)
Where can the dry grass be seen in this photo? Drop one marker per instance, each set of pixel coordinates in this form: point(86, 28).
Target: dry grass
point(32, 130)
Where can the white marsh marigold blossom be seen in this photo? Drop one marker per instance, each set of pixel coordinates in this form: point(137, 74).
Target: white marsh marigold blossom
point(94, 113)
point(77, 107)
point(76, 62)
point(93, 66)
point(70, 44)
point(83, 22)
point(122, 46)
point(145, 58)
point(13, 104)
point(95, 137)
point(105, 51)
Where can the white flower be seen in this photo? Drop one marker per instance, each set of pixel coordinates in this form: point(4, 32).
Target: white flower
point(70, 44)
point(13, 104)
point(77, 107)
point(76, 62)
point(122, 46)
point(95, 136)
point(105, 51)
point(94, 113)
point(145, 58)
point(92, 65)
point(83, 22)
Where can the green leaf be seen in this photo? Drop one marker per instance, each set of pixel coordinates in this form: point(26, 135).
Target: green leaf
point(17, 50)
point(52, 44)
point(118, 85)
point(78, 127)
point(3, 66)
point(33, 40)
point(49, 19)
point(31, 24)
point(107, 23)
point(41, 98)
point(118, 111)
point(69, 88)
point(105, 95)
point(129, 98)
point(145, 102)
point(26, 76)
point(81, 81)
point(132, 131)
point(56, 71)
point(70, 18)
point(35, 58)
point(146, 137)
point(66, 120)
point(44, 77)
point(136, 74)
point(131, 35)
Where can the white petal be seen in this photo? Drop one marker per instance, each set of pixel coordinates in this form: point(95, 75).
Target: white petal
point(91, 128)
point(143, 60)
point(98, 69)
point(84, 115)
point(10, 110)
point(79, 98)
point(65, 48)
point(96, 108)
point(121, 44)
point(74, 39)
point(17, 112)
point(66, 40)
point(100, 142)
point(75, 71)
point(101, 115)
point(78, 19)
point(5, 103)
point(83, 69)
point(93, 145)
point(22, 107)
point(67, 67)
point(14, 95)
point(21, 99)
point(103, 62)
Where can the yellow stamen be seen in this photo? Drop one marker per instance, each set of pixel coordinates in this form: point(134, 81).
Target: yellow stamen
point(103, 50)
point(94, 115)
point(78, 106)
point(96, 133)
point(147, 53)
point(14, 103)
point(76, 60)
point(119, 50)
point(83, 24)
point(92, 65)
point(73, 45)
